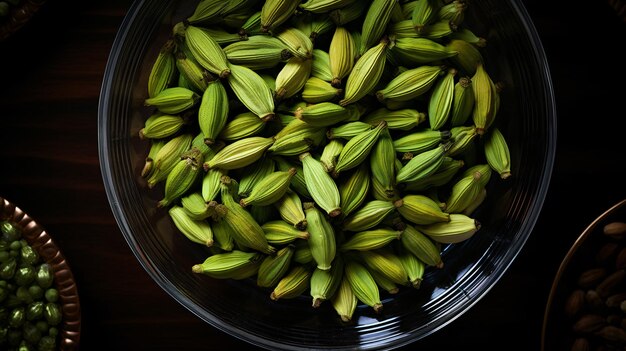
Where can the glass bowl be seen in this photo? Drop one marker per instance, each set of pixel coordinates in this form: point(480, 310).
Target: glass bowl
point(515, 56)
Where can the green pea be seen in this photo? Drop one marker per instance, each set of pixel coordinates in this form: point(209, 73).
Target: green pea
point(42, 325)
point(53, 331)
point(52, 295)
point(16, 245)
point(4, 255)
point(31, 333)
point(35, 291)
point(23, 294)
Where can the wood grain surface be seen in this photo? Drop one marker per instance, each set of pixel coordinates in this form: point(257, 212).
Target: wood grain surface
point(51, 71)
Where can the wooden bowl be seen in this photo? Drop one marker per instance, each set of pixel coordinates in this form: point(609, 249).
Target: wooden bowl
point(38, 238)
point(592, 252)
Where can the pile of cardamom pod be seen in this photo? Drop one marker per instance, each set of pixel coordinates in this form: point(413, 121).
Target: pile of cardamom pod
point(329, 147)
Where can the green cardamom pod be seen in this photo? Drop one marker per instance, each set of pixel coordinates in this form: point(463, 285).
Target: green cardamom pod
point(467, 35)
point(462, 103)
point(182, 177)
point(324, 283)
point(320, 185)
point(273, 268)
point(240, 153)
point(382, 192)
point(341, 53)
point(324, 114)
point(382, 163)
point(206, 51)
point(316, 91)
point(167, 158)
point(197, 230)
point(173, 100)
point(213, 112)
point(269, 189)
point(468, 189)
point(323, 6)
point(414, 52)
point(385, 263)
point(421, 246)
point(276, 12)
point(252, 91)
point(300, 140)
point(321, 65)
point(322, 236)
point(195, 206)
point(410, 84)
point(403, 119)
point(298, 43)
point(421, 209)
point(348, 130)
point(280, 232)
point(331, 152)
point(458, 229)
point(163, 70)
point(369, 216)
point(221, 231)
point(371, 239)
point(344, 301)
point(414, 268)
point(292, 285)
point(258, 52)
point(254, 174)
point(291, 211)
point(160, 126)
point(444, 174)
point(349, 13)
point(195, 75)
point(420, 141)
point(244, 229)
point(366, 73)
point(424, 13)
point(438, 30)
point(292, 77)
point(353, 189)
point(453, 12)
point(462, 139)
point(375, 23)
point(357, 149)
point(363, 285)
point(302, 255)
point(485, 97)
point(243, 125)
point(422, 165)
point(440, 102)
point(297, 182)
point(155, 147)
point(230, 265)
point(210, 187)
point(497, 153)
point(468, 56)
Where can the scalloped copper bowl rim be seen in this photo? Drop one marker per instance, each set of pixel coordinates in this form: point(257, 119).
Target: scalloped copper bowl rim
point(37, 237)
point(18, 17)
point(565, 263)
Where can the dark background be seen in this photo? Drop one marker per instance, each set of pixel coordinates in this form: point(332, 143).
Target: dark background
point(51, 72)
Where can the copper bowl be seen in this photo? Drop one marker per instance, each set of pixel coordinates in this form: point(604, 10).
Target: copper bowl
point(38, 238)
point(589, 251)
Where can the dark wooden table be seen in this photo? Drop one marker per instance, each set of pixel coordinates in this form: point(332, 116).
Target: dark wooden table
point(51, 72)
